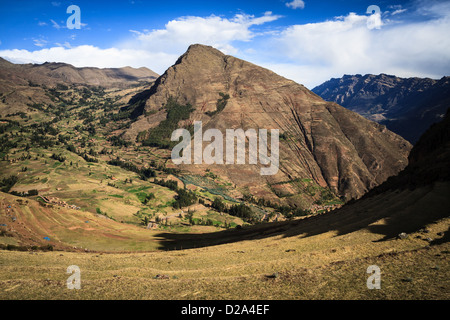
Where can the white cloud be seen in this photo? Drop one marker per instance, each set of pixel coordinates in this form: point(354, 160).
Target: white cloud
point(65, 45)
point(55, 24)
point(91, 56)
point(296, 4)
point(41, 23)
point(398, 11)
point(56, 4)
point(216, 31)
point(40, 42)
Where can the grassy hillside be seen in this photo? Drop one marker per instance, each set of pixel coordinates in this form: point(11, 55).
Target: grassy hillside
point(321, 257)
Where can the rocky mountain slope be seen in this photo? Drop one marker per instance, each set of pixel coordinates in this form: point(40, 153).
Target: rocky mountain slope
point(407, 106)
point(323, 145)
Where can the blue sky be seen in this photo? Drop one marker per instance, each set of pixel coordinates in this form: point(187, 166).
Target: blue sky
point(308, 41)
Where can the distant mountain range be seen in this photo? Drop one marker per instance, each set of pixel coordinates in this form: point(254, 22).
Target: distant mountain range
point(407, 106)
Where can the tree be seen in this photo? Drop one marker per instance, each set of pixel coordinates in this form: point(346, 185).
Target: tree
point(218, 205)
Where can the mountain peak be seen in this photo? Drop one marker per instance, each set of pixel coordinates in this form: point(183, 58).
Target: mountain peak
point(325, 141)
point(197, 47)
point(199, 52)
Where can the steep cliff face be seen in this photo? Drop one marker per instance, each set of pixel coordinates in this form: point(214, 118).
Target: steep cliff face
point(321, 142)
point(407, 106)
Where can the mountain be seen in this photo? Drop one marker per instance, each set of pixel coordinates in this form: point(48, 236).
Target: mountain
point(407, 106)
point(51, 74)
point(25, 84)
point(323, 145)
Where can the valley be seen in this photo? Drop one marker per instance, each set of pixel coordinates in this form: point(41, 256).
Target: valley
point(87, 179)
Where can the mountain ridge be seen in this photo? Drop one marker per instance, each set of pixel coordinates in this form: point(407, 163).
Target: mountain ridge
point(407, 106)
point(51, 73)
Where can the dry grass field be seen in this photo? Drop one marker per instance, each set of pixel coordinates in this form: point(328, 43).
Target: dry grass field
point(320, 257)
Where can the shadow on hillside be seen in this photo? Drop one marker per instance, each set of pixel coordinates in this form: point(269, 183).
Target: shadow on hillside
point(363, 214)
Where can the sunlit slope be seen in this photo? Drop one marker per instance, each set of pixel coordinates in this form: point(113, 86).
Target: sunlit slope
point(67, 228)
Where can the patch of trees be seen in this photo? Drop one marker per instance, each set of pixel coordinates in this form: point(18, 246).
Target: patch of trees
point(37, 106)
point(71, 148)
point(58, 157)
point(184, 198)
point(87, 158)
point(219, 205)
point(10, 125)
point(32, 84)
point(159, 136)
point(91, 130)
point(173, 171)
point(63, 138)
point(298, 213)
point(267, 203)
point(148, 198)
point(119, 142)
point(287, 211)
point(144, 173)
point(242, 211)
point(84, 114)
point(171, 184)
point(220, 105)
point(325, 195)
point(20, 114)
point(29, 193)
point(7, 183)
point(62, 87)
point(45, 128)
point(42, 141)
point(6, 144)
point(12, 247)
point(238, 210)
